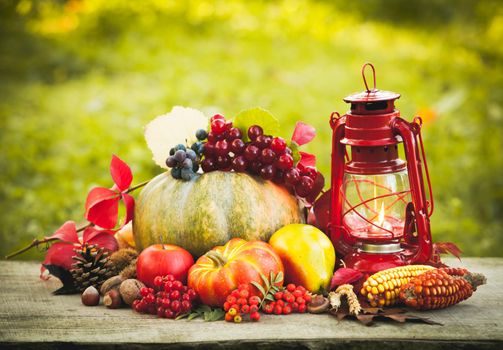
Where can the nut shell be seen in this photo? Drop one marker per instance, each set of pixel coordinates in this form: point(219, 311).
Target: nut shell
point(130, 290)
point(90, 297)
point(112, 299)
point(111, 283)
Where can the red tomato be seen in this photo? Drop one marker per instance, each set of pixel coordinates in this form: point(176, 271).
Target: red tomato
point(223, 268)
point(161, 260)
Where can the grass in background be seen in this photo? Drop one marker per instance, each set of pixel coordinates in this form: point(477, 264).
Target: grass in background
point(80, 79)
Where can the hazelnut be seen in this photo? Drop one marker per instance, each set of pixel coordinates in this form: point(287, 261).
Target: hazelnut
point(130, 290)
point(112, 299)
point(90, 297)
point(111, 283)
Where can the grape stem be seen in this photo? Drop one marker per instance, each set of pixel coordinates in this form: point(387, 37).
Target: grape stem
point(36, 242)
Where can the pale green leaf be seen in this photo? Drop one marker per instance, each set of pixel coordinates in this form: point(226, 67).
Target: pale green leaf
point(260, 288)
point(266, 282)
point(279, 277)
point(193, 315)
point(295, 151)
point(256, 116)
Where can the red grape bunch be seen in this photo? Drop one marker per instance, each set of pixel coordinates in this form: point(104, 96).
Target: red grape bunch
point(264, 155)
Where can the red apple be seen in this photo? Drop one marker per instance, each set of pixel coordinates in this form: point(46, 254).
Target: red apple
point(161, 260)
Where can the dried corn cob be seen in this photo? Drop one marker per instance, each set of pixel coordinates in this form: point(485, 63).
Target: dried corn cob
point(440, 288)
point(383, 287)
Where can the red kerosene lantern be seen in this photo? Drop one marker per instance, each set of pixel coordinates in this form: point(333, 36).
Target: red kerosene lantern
point(379, 212)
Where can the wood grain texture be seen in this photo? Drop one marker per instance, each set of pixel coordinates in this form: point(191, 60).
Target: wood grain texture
point(31, 317)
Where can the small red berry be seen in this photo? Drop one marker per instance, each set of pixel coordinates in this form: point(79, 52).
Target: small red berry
point(278, 310)
point(253, 308)
point(177, 285)
point(244, 294)
point(160, 311)
point(278, 295)
point(290, 287)
point(302, 308)
point(169, 314)
point(168, 286)
point(268, 309)
point(231, 299)
point(175, 306)
point(150, 298)
point(255, 316)
point(235, 306)
point(290, 298)
point(242, 301)
point(307, 298)
point(300, 300)
point(302, 289)
point(158, 281)
point(287, 309)
point(229, 317)
point(166, 302)
point(227, 306)
point(186, 305)
point(254, 300)
point(186, 296)
point(235, 293)
point(297, 293)
point(295, 306)
point(174, 295)
point(245, 309)
point(144, 291)
point(170, 278)
point(280, 303)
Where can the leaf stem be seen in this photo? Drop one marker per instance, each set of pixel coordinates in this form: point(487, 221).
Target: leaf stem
point(36, 242)
point(135, 187)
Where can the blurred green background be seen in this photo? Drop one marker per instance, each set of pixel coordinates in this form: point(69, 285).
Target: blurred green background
point(80, 79)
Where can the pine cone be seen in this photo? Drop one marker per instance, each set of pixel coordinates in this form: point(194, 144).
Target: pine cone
point(91, 266)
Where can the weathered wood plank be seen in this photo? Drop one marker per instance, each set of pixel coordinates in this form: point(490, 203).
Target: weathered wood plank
point(30, 317)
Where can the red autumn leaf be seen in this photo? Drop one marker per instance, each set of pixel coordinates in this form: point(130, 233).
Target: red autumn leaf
point(121, 173)
point(447, 248)
point(129, 203)
point(307, 160)
point(97, 195)
point(66, 233)
point(104, 213)
point(303, 133)
point(59, 254)
point(102, 238)
point(344, 275)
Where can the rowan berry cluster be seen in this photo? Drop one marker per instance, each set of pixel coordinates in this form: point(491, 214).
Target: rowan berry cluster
point(292, 299)
point(240, 303)
point(169, 299)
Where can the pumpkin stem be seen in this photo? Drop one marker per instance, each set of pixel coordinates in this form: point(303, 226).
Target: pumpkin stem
point(218, 259)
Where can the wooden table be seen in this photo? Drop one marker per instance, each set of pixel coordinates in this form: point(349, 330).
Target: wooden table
point(32, 318)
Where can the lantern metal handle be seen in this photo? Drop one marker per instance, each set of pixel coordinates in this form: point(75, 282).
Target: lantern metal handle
point(419, 122)
point(373, 74)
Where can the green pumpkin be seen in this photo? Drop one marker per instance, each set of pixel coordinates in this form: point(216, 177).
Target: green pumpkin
point(210, 210)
